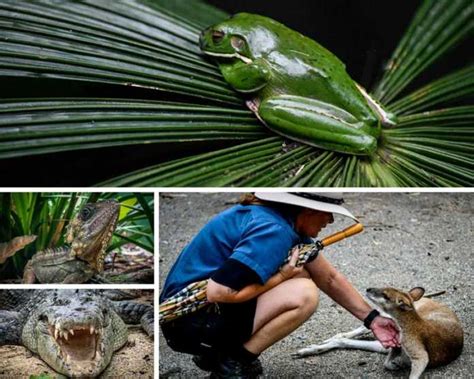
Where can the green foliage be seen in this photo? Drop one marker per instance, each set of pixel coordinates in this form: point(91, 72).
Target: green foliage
point(48, 214)
point(153, 44)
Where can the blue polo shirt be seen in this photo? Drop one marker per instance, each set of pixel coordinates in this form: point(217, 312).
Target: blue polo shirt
point(257, 236)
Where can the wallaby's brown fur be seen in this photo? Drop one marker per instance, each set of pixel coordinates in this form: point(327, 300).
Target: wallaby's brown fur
point(431, 333)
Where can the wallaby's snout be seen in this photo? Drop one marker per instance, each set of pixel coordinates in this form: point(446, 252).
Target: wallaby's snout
point(376, 295)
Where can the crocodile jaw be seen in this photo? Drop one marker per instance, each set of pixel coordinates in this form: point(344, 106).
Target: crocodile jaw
point(77, 351)
point(74, 331)
point(79, 343)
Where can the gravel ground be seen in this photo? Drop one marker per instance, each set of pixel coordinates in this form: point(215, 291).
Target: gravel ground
point(416, 239)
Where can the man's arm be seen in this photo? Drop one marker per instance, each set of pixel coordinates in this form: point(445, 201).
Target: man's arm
point(218, 293)
point(338, 288)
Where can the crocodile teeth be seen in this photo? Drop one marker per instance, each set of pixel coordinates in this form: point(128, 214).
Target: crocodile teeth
point(71, 331)
point(92, 330)
point(68, 358)
point(56, 333)
point(65, 335)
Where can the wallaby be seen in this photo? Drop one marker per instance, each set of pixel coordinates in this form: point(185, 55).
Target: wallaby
point(431, 334)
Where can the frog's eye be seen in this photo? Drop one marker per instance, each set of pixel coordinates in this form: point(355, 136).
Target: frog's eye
point(217, 36)
point(237, 42)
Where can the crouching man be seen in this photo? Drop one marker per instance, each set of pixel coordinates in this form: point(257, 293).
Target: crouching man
point(254, 300)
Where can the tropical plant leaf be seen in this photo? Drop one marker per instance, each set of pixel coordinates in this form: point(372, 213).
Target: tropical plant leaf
point(137, 224)
point(453, 87)
point(36, 127)
point(110, 43)
point(436, 28)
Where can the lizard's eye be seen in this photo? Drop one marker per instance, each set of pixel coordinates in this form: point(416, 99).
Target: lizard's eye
point(217, 36)
point(237, 42)
point(86, 213)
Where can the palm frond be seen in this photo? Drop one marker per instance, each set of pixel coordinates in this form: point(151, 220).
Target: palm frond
point(39, 126)
point(108, 43)
point(453, 87)
point(436, 28)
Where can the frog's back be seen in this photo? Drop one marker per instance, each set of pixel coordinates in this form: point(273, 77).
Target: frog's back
point(306, 68)
point(266, 36)
point(300, 65)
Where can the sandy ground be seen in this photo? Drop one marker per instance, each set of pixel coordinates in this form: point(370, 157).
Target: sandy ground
point(135, 359)
point(409, 240)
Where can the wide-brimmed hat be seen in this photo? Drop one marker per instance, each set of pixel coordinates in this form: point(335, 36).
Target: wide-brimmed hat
point(326, 202)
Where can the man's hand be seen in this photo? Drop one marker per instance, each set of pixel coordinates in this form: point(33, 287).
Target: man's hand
point(289, 270)
point(386, 331)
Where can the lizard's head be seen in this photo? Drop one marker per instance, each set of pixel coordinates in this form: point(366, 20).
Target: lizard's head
point(91, 231)
point(75, 331)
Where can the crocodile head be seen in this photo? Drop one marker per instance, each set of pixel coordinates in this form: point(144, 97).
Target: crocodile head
point(75, 332)
point(90, 232)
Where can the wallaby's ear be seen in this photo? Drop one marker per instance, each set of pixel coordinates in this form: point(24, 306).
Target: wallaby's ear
point(416, 293)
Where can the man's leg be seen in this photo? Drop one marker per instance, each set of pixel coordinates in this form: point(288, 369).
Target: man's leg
point(280, 311)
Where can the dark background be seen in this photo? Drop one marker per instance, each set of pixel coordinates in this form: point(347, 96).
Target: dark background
point(362, 33)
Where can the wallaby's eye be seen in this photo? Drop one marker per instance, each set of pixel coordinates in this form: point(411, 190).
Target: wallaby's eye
point(237, 42)
point(86, 213)
point(385, 297)
point(217, 36)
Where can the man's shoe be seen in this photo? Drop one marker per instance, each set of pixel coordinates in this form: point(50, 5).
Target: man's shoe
point(210, 362)
point(205, 362)
point(229, 368)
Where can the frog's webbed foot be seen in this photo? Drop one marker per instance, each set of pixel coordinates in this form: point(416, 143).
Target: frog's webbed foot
point(316, 123)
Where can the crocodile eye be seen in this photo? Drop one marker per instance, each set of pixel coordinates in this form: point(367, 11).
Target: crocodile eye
point(217, 36)
point(237, 42)
point(43, 318)
point(86, 213)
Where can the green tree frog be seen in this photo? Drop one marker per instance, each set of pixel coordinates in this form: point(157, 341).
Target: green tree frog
point(296, 87)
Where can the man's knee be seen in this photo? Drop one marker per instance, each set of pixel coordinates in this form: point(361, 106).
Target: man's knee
point(303, 274)
point(307, 295)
